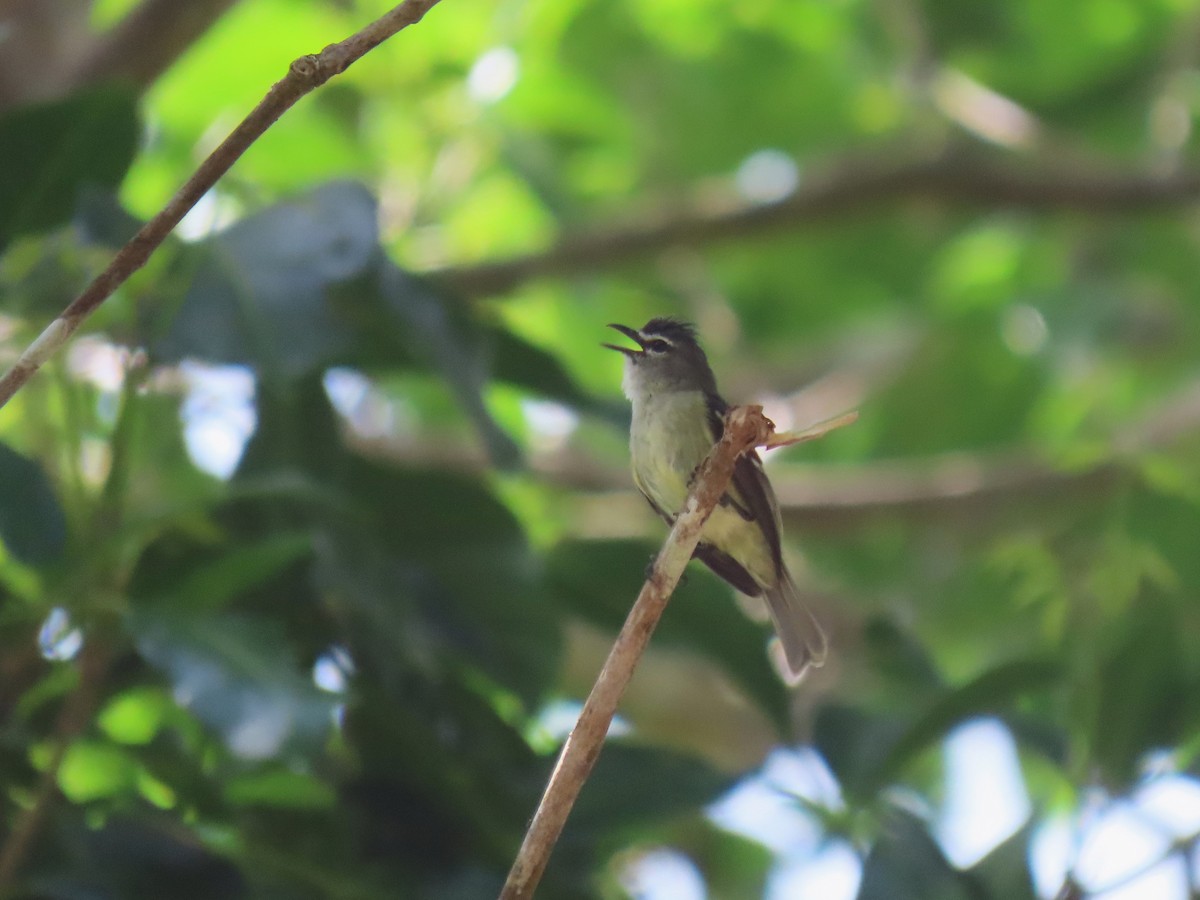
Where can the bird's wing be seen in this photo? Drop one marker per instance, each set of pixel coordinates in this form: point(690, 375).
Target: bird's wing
point(728, 568)
point(750, 493)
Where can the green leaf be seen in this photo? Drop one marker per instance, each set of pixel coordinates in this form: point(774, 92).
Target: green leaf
point(52, 150)
point(732, 865)
point(279, 788)
point(32, 524)
point(92, 770)
point(135, 716)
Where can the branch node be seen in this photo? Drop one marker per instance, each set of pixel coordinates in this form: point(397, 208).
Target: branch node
point(309, 69)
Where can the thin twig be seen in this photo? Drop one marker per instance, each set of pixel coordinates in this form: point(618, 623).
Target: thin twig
point(73, 719)
point(304, 75)
point(952, 179)
point(745, 427)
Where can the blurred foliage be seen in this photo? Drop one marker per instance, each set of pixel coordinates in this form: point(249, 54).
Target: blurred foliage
point(339, 612)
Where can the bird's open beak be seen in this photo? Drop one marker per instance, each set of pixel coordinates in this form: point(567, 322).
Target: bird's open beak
point(633, 335)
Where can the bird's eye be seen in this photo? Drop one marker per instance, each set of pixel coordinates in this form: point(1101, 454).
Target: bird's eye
point(657, 346)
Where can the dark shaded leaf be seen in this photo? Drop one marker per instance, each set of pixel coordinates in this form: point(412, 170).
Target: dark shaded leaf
point(444, 778)
point(599, 581)
point(239, 675)
point(297, 433)
point(32, 524)
point(444, 339)
point(733, 866)
point(450, 551)
point(101, 218)
point(1004, 873)
point(1142, 694)
point(519, 362)
point(52, 150)
point(260, 295)
point(906, 864)
point(633, 786)
point(898, 657)
point(214, 585)
point(993, 692)
point(135, 858)
point(856, 746)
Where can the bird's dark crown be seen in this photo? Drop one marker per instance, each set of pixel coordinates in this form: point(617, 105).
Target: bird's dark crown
point(668, 329)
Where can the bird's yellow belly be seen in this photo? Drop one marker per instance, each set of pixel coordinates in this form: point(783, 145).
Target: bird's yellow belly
point(667, 442)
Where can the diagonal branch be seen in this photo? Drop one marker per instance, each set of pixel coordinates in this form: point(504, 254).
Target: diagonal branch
point(961, 179)
point(305, 74)
point(745, 427)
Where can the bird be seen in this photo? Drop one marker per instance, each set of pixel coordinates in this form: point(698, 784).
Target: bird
point(678, 415)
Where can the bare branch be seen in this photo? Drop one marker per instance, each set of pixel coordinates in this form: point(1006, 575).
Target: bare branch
point(51, 48)
point(973, 488)
point(76, 713)
point(966, 487)
point(955, 179)
point(40, 40)
point(305, 74)
point(745, 427)
point(146, 42)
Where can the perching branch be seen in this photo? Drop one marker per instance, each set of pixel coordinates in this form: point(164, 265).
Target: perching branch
point(745, 427)
point(952, 179)
point(304, 75)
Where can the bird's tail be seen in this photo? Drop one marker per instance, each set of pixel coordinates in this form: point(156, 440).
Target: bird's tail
point(800, 635)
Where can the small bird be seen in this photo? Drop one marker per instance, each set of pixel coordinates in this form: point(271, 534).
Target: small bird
point(677, 417)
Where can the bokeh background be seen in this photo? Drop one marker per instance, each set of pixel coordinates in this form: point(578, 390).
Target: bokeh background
point(315, 539)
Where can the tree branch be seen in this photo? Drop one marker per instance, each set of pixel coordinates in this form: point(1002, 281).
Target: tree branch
point(73, 719)
point(51, 48)
point(973, 487)
point(966, 487)
point(305, 74)
point(146, 42)
point(745, 427)
point(957, 179)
